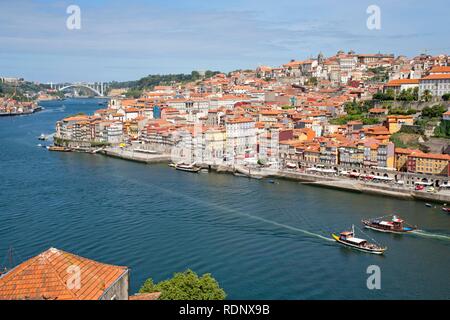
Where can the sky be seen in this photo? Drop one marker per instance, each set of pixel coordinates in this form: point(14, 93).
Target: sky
point(126, 40)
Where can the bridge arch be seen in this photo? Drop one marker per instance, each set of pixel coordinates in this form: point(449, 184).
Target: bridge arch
point(81, 86)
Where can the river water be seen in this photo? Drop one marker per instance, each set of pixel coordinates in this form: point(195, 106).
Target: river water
point(259, 240)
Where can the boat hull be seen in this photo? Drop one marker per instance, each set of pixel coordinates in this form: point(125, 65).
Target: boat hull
point(58, 149)
point(368, 225)
point(352, 246)
point(193, 170)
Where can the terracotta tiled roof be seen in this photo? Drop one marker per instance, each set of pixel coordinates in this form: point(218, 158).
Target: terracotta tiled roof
point(399, 82)
point(437, 76)
point(47, 276)
point(440, 69)
point(146, 296)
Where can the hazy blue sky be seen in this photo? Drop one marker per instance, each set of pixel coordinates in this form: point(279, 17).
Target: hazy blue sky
point(125, 40)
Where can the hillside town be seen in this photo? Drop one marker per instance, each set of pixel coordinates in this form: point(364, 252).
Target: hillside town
point(338, 113)
point(12, 107)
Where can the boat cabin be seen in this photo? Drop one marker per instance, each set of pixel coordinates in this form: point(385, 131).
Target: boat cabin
point(348, 237)
point(357, 241)
point(397, 223)
point(345, 235)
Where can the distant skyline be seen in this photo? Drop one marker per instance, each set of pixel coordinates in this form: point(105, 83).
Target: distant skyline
point(122, 41)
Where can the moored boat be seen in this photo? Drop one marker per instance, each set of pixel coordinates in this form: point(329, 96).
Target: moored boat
point(58, 149)
point(395, 225)
point(429, 205)
point(187, 167)
point(347, 238)
point(445, 209)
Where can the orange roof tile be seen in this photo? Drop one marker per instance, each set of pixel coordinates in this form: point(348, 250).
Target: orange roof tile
point(146, 296)
point(398, 82)
point(46, 277)
point(440, 69)
point(437, 76)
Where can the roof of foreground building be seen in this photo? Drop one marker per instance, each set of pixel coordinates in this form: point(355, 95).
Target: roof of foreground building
point(52, 275)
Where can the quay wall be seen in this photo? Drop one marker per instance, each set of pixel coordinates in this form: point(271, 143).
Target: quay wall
point(133, 156)
point(337, 183)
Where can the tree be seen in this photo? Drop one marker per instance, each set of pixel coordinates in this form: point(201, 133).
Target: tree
point(312, 81)
point(446, 97)
point(409, 94)
point(434, 111)
point(388, 95)
point(356, 108)
point(195, 75)
point(133, 93)
point(186, 285)
point(443, 130)
point(427, 96)
point(209, 73)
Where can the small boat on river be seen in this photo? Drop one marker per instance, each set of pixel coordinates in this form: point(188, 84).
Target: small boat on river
point(187, 167)
point(58, 149)
point(347, 238)
point(395, 225)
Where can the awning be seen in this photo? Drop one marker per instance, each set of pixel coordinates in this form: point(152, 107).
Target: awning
point(356, 240)
point(383, 178)
point(421, 183)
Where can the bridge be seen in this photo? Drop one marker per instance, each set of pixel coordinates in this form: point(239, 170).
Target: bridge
point(97, 88)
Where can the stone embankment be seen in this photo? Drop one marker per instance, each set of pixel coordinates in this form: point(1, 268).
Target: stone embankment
point(332, 182)
point(135, 156)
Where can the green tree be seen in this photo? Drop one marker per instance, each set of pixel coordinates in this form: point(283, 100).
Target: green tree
point(427, 96)
point(443, 130)
point(312, 81)
point(209, 73)
point(409, 94)
point(384, 96)
point(434, 111)
point(195, 75)
point(446, 97)
point(186, 285)
point(133, 93)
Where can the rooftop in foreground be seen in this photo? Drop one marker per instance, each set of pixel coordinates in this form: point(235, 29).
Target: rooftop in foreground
point(47, 276)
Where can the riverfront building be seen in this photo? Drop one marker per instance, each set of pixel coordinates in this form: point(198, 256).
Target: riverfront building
point(273, 116)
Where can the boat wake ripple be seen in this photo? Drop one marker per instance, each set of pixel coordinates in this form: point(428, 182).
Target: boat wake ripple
point(423, 233)
point(234, 211)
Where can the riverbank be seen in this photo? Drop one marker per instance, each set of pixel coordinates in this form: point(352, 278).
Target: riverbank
point(157, 221)
point(24, 113)
point(135, 156)
point(358, 186)
point(338, 183)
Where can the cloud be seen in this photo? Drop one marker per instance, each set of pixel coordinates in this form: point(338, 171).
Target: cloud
point(125, 41)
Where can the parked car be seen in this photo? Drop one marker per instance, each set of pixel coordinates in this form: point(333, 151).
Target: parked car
point(431, 190)
point(419, 187)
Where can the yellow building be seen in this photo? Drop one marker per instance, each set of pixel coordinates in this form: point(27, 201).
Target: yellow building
point(396, 122)
point(428, 163)
point(401, 158)
point(312, 154)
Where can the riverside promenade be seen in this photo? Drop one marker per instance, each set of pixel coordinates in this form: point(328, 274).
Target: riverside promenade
point(384, 189)
point(325, 181)
point(133, 155)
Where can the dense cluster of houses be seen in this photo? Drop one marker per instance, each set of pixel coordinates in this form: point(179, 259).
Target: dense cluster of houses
point(274, 116)
point(436, 81)
point(10, 106)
